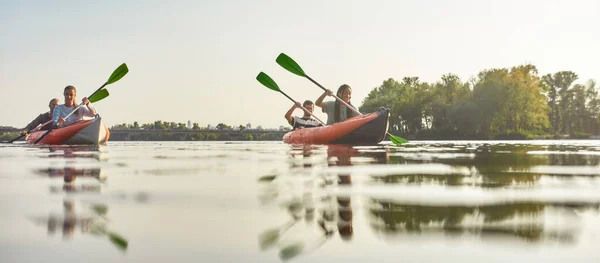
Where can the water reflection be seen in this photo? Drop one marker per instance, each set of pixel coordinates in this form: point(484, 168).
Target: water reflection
point(93, 220)
point(528, 221)
point(332, 214)
point(307, 197)
point(490, 165)
point(76, 151)
point(69, 174)
point(78, 217)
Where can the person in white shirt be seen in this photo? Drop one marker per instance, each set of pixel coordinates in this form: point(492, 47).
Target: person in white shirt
point(306, 121)
point(61, 111)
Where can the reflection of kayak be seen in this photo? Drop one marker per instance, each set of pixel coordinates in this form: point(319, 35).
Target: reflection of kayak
point(92, 131)
point(366, 129)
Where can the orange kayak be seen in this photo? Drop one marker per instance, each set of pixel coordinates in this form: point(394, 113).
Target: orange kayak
point(92, 131)
point(366, 129)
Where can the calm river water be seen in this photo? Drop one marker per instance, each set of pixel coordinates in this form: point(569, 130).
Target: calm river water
point(426, 201)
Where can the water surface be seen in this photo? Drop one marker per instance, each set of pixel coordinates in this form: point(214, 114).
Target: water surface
point(427, 201)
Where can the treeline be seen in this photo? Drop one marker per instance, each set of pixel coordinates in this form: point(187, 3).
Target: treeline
point(168, 131)
point(499, 103)
point(173, 136)
point(164, 125)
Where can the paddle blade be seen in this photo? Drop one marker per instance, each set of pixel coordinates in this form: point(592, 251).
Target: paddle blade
point(397, 140)
point(288, 63)
point(118, 74)
point(100, 95)
point(264, 79)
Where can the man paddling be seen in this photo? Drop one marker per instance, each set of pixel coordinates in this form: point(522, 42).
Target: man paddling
point(61, 111)
point(306, 121)
point(42, 119)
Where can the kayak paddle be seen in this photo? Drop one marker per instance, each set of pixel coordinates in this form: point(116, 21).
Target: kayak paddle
point(290, 65)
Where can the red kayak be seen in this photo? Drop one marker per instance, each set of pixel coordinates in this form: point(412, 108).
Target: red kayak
point(365, 129)
point(92, 131)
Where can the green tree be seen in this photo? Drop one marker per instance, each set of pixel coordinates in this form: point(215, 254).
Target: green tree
point(449, 94)
point(489, 95)
point(223, 126)
point(558, 85)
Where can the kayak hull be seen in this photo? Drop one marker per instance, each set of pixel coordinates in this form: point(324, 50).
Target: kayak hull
point(85, 132)
point(365, 129)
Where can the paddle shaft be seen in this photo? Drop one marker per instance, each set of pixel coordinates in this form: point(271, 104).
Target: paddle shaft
point(303, 108)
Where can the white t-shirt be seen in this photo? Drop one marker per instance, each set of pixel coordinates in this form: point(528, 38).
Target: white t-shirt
point(60, 111)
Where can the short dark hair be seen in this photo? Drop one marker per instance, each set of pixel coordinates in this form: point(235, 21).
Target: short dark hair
point(307, 102)
point(53, 100)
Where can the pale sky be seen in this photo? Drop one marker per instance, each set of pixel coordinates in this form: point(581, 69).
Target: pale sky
point(197, 60)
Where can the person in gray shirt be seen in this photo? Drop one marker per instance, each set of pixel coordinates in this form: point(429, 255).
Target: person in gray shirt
point(42, 119)
point(336, 111)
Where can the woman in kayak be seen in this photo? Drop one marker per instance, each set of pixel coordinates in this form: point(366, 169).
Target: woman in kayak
point(336, 111)
point(306, 121)
point(63, 110)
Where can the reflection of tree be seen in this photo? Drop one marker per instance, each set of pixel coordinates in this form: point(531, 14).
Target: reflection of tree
point(94, 223)
point(572, 159)
point(522, 220)
point(501, 165)
point(494, 165)
point(451, 179)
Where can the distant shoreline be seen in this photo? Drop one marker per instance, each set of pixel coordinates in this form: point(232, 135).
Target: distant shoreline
point(266, 135)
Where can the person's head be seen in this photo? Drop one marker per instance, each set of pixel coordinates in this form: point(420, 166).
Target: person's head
point(309, 105)
point(345, 93)
point(52, 104)
point(70, 93)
